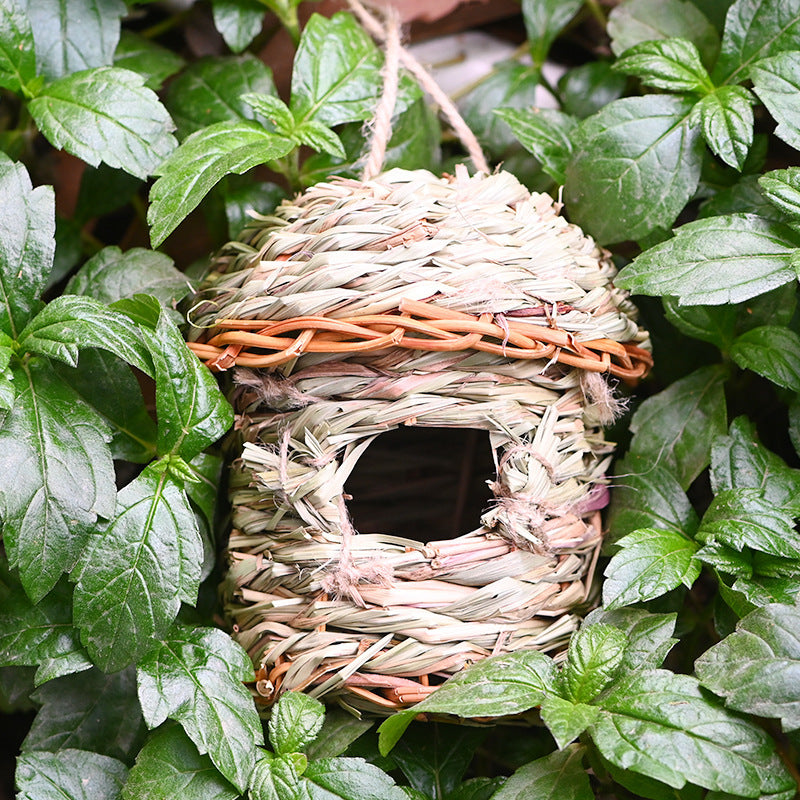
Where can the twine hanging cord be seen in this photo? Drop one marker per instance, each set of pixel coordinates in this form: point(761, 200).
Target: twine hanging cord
point(389, 34)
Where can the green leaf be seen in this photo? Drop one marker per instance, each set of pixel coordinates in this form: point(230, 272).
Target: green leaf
point(660, 724)
point(566, 720)
point(198, 164)
point(194, 677)
point(58, 477)
point(17, 57)
point(349, 779)
point(15, 685)
point(416, 139)
point(509, 85)
point(757, 668)
point(71, 322)
point(782, 189)
point(765, 565)
point(717, 260)
point(740, 461)
point(69, 775)
point(241, 202)
point(776, 81)
point(672, 64)
point(649, 636)
point(73, 36)
point(726, 116)
point(169, 766)
point(636, 21)
point(585, 89)
point(69, 250)
point(494, 687)
point(593, 659)
point(544, 20)
point(147, 58)
point(771, 351)
point(111, 275)
point(773, 308)
point(143, 309)
point(649, 564)
point(794, 423)
point(106, 115)
point(27, 246)
point(273, 109)
point(472, 789)
point(239, 21)
point(726, 559)
point(677, 426)
point(545, 133)
point(210, 90)
point(295, 722)
point(763, 591)
point(715, 324)
point(41, 635)
point(435, 757)
point(276, 778)
point(134, 574)
point(756, 29)
point(192, 411)
point(103, 191)
point(640, 786)
point(338, 732)
point(7, 393)
point(636, 163)
point(107, 385)
point(560, 774)
point(646, 495)
point(89, 711)
point(336, 75)
point(742, 197)
point(204, 490)
point(319, 137)
point(744, 517)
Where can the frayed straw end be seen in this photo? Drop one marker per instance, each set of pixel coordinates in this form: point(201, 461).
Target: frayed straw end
point(342, 580)
point(601, 405)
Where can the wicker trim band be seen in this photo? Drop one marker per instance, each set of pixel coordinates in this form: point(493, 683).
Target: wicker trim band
point(441, 329)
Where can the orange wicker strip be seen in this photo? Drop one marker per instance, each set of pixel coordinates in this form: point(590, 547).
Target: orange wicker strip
point(258, 343)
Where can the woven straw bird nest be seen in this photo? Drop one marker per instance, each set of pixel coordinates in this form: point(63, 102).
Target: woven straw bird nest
point(411, 300)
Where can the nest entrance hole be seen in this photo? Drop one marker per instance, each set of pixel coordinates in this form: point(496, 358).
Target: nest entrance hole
point(425, 484)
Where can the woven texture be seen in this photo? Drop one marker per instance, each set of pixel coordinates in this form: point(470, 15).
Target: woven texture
point(412, 300)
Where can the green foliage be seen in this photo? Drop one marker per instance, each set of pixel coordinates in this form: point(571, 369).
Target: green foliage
point(109, 425)
point(169, 765)
point(194, 676)
point(76, 774)
point(635, 165)
point(107, 115)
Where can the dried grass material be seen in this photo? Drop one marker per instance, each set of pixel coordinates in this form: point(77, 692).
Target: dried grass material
point(369, 619)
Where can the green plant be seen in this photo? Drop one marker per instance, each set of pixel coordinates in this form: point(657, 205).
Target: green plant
point(109, 472)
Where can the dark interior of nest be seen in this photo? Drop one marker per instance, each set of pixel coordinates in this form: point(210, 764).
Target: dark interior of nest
point(425, 484)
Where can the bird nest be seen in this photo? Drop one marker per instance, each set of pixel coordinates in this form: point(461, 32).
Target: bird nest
point(361, 307)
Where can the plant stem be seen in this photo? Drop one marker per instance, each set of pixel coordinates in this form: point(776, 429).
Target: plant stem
point(465, 90)
point(291, 22)
point(160, 28)
point(597, 11)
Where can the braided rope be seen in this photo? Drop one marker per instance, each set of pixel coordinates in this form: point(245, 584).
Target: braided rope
point(448, 107)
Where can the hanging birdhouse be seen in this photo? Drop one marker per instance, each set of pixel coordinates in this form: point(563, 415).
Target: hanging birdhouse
point(412, 301)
